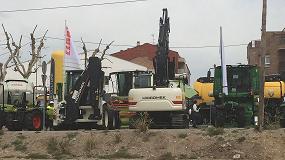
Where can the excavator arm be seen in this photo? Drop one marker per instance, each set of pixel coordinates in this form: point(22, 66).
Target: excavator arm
point(87, 89)
point(164, 69)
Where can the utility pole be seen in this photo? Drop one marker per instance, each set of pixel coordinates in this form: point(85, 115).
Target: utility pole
point(262, 64)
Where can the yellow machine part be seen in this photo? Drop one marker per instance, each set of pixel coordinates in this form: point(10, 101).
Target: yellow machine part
point(57, 56)
point(204, 90)
point(274, 89)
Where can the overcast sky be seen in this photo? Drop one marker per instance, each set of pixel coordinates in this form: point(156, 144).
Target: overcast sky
point(193, 23)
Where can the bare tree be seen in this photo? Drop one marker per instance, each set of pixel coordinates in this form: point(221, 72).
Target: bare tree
point(14, 50)
point(3, 68)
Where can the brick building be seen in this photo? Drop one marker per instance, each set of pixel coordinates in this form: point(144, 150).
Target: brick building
point(275, 52)
point(144, 54)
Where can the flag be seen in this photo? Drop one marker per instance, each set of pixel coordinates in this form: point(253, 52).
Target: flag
point(223, 64)
point(71, 57)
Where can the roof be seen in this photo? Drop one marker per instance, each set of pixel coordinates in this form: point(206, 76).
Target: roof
point(143, 54)
point(114, 64)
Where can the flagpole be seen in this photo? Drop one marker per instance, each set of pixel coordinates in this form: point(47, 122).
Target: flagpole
point(63, 67)
point(223, 64)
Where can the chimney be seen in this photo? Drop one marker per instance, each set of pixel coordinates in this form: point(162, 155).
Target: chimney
point(138, 43)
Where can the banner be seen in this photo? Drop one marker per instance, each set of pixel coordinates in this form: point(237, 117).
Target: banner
point(71, 57)
point(223, 64)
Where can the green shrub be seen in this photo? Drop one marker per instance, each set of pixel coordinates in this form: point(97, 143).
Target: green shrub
point(121, 154)
point(118, 139)
point(90, 145)
point(22, 137)
point(212, 131)
point(182, 135)
point(5, 146)
point(36, 156)
point(58, 148)
point(19, 145)
point(142, 122)
point(166, 156)
point(241, 139)
point(71, 135)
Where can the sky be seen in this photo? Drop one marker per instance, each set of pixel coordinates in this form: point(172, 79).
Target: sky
point(193, 23)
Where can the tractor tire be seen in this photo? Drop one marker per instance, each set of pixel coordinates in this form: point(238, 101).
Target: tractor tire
point(107, 118)
point(112, 120)
point(282, 122)
point(11, 123)
point(14, 127)
point(2, 119)
point(34, 121)
point(241, 117)
point(213, 115)
point(117, 121)
point(220, 117)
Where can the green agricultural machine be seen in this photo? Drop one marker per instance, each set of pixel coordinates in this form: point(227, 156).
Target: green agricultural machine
point(20, 107)
point(238, 107)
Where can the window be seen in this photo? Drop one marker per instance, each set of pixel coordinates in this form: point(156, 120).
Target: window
point(143, 81)
point(267, 60)
point(282, 39)
point(125, 81)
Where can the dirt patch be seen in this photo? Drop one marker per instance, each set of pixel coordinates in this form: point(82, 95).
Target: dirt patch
point(154, 144)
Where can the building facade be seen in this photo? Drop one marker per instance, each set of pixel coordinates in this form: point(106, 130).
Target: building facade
point(275, 53)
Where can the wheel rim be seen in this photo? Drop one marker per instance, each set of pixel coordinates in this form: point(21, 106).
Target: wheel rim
point(106, 119)
point(37, 121)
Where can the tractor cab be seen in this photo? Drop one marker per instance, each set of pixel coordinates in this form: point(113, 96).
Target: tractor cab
point(71, 77)
point(123, 81)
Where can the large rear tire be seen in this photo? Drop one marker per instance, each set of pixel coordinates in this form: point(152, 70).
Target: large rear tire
point(213, 114)
point(2, 119)
point(241, 117)
point(220, 116)
point(107, 118)
point(34, 120)
point(117, 121)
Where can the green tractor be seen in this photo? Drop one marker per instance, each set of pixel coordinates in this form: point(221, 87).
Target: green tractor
point(19, 108)
point(238, 107)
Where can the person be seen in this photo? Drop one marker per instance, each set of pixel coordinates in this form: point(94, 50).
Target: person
point(195, 114)
point(50, 113)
